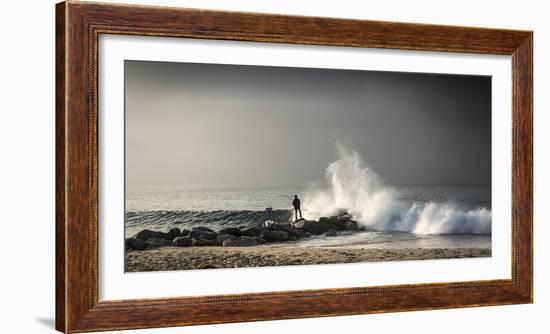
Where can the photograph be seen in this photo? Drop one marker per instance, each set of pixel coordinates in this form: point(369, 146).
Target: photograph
point(231, 166)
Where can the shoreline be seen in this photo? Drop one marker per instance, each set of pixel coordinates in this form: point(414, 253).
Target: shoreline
point(172, 258)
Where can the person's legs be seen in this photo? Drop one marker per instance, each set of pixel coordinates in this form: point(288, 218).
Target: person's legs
point(300, 213)
point(295, 214)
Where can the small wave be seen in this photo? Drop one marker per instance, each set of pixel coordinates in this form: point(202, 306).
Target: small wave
point(357, 189)
point(216, 219)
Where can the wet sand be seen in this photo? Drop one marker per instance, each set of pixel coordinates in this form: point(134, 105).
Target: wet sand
point(185, 258)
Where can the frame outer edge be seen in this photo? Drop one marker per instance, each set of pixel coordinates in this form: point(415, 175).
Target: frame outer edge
point(61, 316)
point(524, 115)
point(73, 300)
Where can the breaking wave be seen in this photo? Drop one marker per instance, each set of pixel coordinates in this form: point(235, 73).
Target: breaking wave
point(358, 190)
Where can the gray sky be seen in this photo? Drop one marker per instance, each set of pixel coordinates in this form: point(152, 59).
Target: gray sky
point(214, 125)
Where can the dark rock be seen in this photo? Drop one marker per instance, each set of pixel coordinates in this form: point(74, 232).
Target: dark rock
point(222, 237)
point(198, 234)
point(292, 237)
point(332, 219)
point(340, 225)
point(330, 233)
point(315, 227)
point(204, 242)
point(303, 234)
point(230, 230)
point(158, 242)
point(280, 227)
point(351, 225)
point(241, 242)
point(184, 233)
point(252, 231)
point(174, 233)
point(195, 234)
point(209, 235)
point(134, 244)
point(202, 229)
point(293, 233)
point(274, 236)
point(344, 215)
point(341, 222)
point(183, 242)
point(144, 235)
point(342, 212)
point(260, 240)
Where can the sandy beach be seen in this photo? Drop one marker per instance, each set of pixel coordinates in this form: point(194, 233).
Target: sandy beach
point(185, 258)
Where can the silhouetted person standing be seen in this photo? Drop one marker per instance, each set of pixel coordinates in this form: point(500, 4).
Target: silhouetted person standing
point(296, 204)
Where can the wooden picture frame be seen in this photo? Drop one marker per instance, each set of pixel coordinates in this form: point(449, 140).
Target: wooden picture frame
point(78, 26)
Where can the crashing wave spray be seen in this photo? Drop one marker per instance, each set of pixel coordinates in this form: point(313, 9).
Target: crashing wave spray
point(355, 188)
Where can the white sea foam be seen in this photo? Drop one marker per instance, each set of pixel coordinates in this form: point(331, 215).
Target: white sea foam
point(355, 188)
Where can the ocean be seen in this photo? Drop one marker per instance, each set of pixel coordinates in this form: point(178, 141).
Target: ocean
point(462, 212)
point(435, 216)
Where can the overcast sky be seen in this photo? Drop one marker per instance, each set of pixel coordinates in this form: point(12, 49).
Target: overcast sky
point(213, 125)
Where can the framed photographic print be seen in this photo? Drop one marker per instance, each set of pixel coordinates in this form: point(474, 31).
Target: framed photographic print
point(222, 167)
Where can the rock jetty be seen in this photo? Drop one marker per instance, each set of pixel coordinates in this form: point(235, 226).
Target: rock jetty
point(243, 236)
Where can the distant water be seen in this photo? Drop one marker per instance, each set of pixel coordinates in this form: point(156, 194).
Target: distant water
point(397, 216)
point(182, 199)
